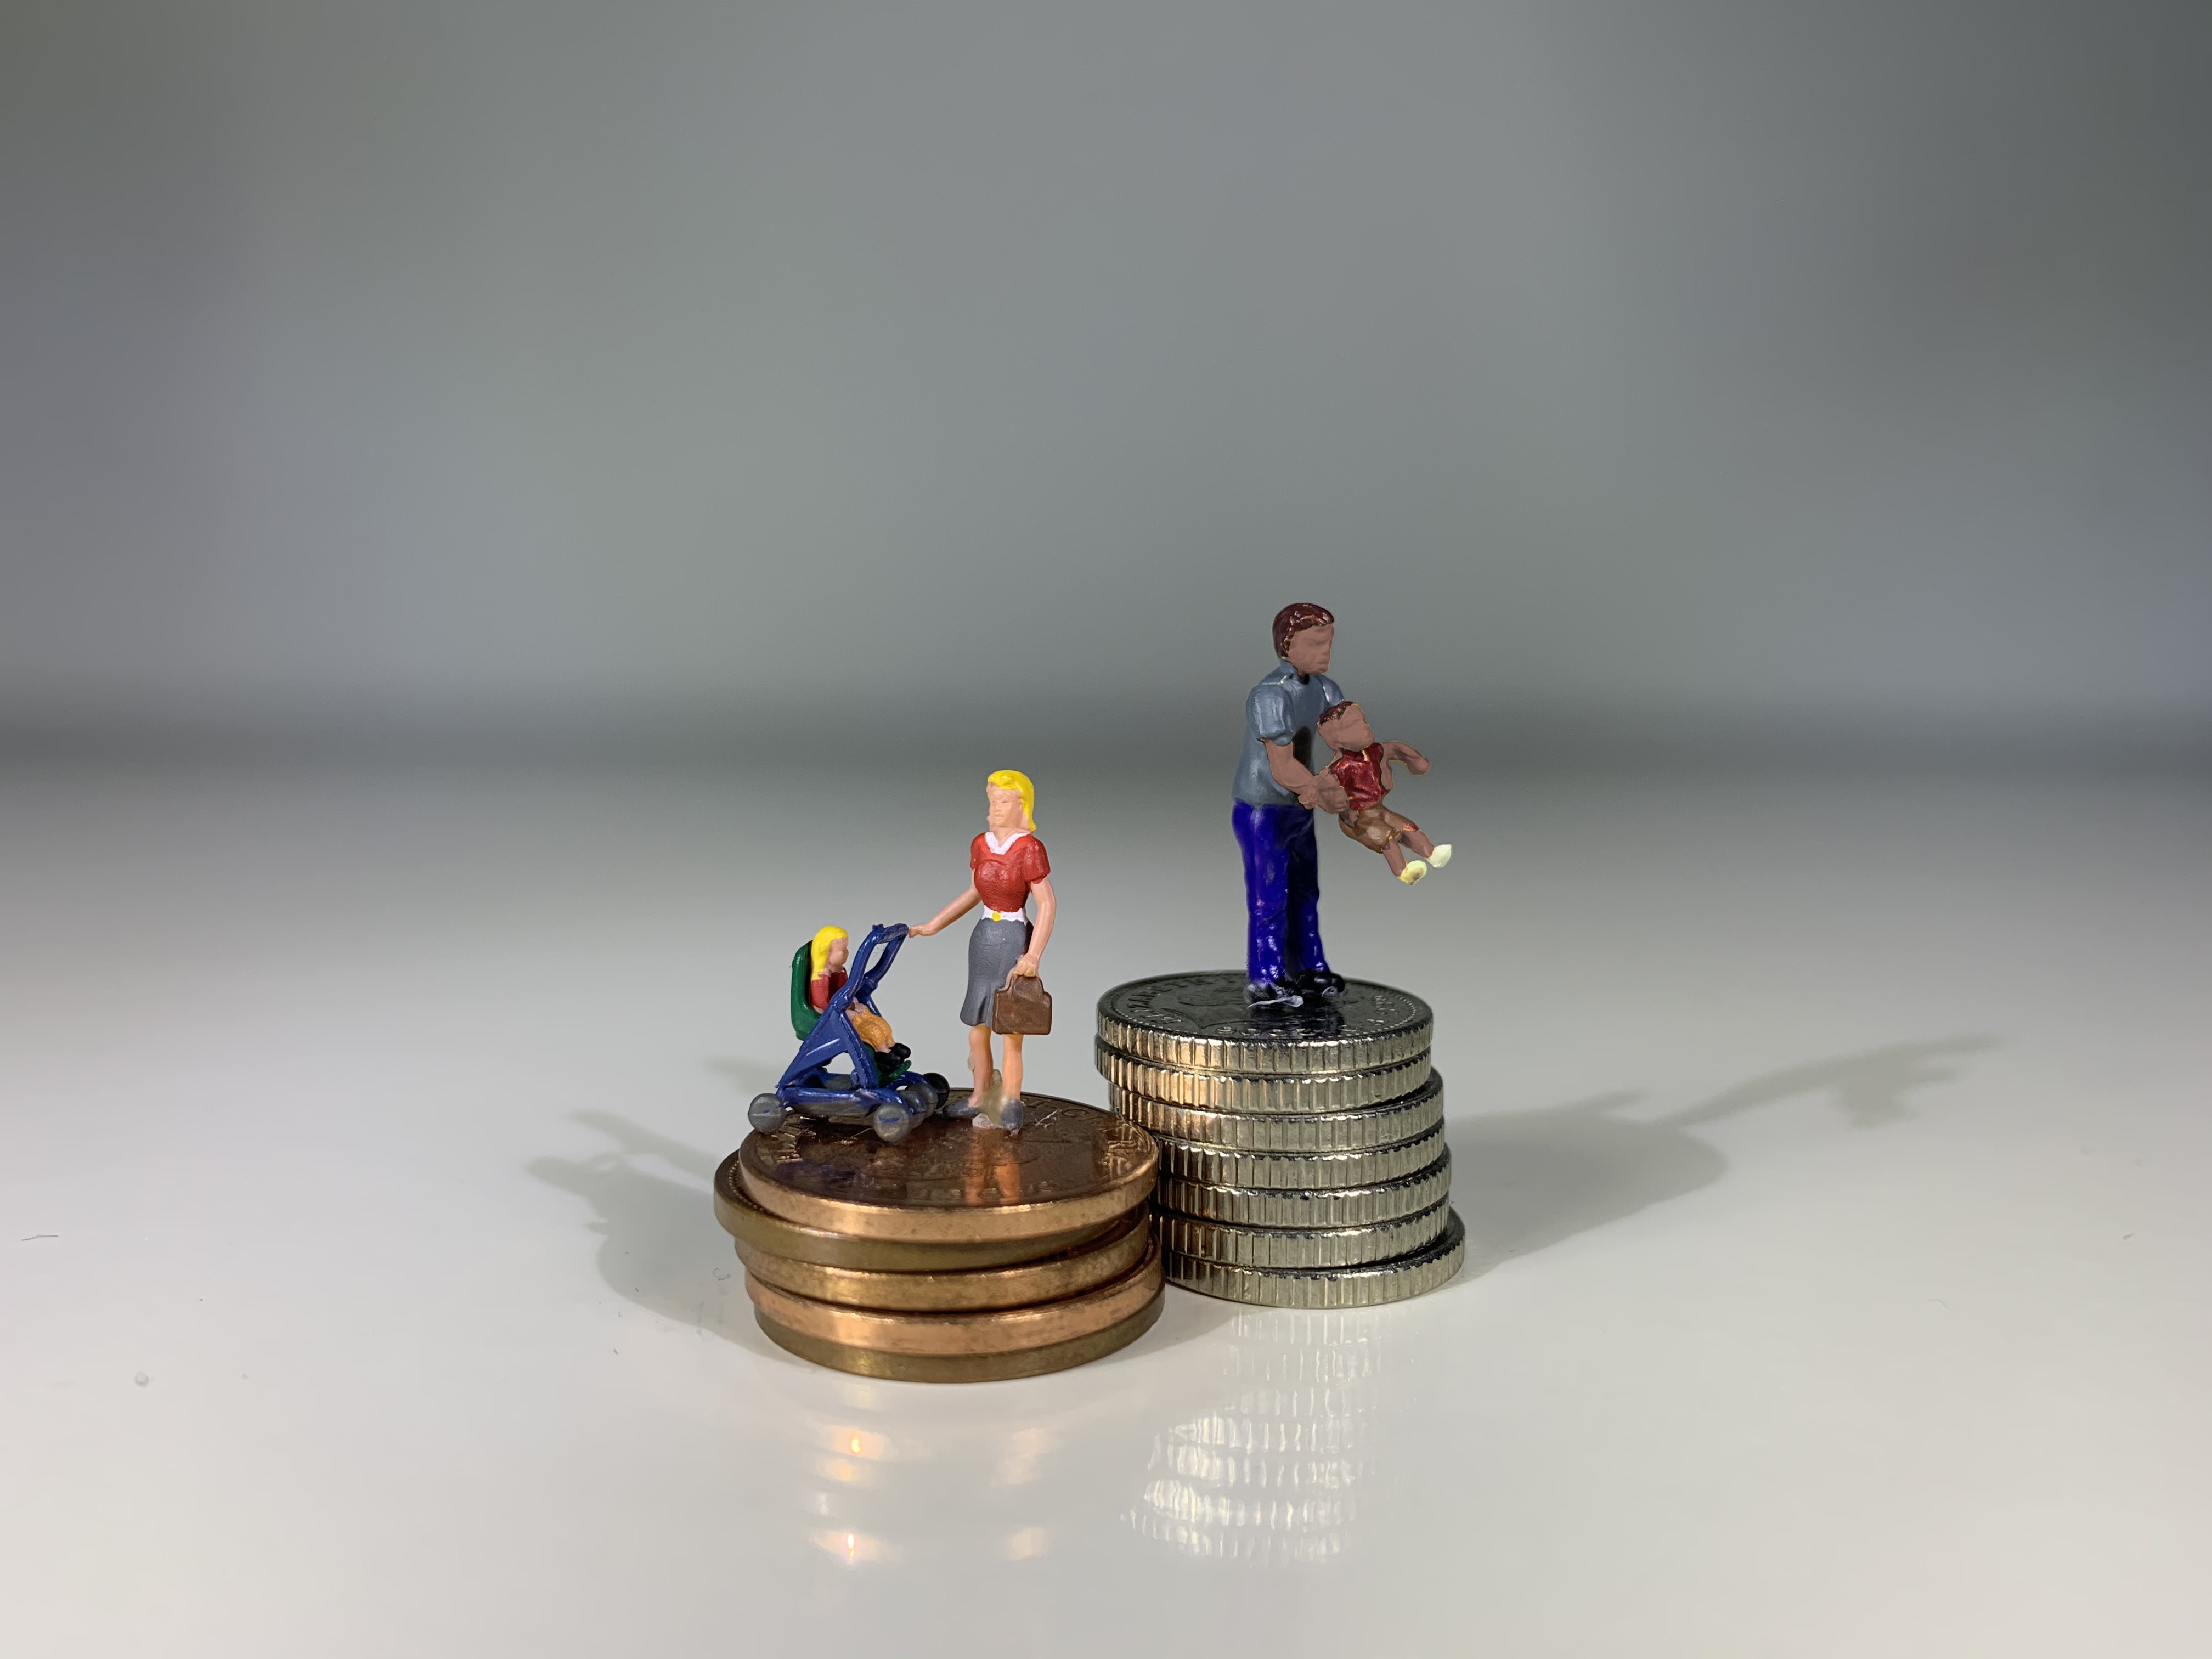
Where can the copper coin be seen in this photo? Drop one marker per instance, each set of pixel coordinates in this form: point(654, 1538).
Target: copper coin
point(1301, 1247)
point(964, 1367)
point(1069, 1273)
point(999, 1330)
point(954, 1180)
point(756, 1229)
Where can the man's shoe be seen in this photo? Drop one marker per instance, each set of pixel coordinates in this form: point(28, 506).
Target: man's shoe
point(1272, 993)
point(1440, 855)
point(1321, 982)
point(1414, 869)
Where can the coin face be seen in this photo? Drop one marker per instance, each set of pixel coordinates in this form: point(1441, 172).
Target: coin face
point(998, 1330)
point(1065, 1274)
point(951, 1180)
point(964, 1367)
point(1199, 1022)
point(1363, 1286)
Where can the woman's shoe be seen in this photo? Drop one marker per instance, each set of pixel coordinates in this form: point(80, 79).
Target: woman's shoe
point(1414, 869)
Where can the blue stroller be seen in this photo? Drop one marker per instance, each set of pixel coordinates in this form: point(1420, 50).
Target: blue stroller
point(878, 1089)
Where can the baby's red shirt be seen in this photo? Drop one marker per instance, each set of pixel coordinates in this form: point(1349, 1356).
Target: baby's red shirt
point(1363, 777)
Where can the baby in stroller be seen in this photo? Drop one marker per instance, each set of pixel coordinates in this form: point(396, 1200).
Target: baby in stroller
point(878, 1088)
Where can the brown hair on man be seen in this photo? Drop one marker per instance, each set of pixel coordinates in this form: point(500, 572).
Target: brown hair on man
point(1294, 619)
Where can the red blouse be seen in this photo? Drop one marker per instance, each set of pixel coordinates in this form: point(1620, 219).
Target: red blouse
point(1003, 879)
point(1366, 777)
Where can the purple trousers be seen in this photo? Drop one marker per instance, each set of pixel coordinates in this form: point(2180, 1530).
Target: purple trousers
point(1282, 890)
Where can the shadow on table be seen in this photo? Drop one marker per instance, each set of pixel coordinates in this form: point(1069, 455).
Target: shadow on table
point(660, 1245)
point(1522, 1181)
point(1292, 1456)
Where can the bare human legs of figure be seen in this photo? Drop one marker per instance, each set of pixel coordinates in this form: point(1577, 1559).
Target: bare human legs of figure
point(997, 1094)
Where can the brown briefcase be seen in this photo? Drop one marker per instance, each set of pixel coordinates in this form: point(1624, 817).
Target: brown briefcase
point(1023, 1009)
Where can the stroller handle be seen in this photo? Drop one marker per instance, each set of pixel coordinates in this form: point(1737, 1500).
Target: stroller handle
point(874, 957)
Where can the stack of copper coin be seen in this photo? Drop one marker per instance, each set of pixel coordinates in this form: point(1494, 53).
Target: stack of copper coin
point(1302, 1150)
point(964, 1254)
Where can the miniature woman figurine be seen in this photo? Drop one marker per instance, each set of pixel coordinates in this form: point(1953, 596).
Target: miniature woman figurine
point(816, 971)
point(1008, 864)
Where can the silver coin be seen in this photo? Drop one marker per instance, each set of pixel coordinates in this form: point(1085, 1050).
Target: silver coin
point(1224, 1091)
point(1386, 1125)
point(1222, 1166)
point(1199, 1022)
point(1306, 1248)
point(1340, 1207)
point(1363, 1286)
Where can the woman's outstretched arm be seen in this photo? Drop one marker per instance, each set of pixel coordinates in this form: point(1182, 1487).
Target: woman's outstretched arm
point(951, 914)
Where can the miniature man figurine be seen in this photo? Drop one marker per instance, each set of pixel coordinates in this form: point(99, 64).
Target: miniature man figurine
point(1363, 767)
point(1277, 791)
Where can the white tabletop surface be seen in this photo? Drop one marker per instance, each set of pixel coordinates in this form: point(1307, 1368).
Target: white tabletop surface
point(1833, 1154)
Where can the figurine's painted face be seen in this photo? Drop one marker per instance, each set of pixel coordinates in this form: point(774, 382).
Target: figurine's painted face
point(1348, 732)
point(1006, 809)
point(835, 954)
point(1307, 651)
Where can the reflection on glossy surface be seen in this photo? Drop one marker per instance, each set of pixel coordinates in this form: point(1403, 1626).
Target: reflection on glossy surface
point(911, 1475)
point(1278, 1470)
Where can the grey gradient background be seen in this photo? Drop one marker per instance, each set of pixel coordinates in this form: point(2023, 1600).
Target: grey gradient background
point(871, 395)
point(1631, 374)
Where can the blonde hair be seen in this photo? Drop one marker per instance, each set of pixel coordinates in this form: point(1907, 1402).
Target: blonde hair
point(1012, 779)
point(818, 953)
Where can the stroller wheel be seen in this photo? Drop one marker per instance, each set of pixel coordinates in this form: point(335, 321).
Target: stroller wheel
point(936, 1081)
point(892, 1124)
point(766, 1113)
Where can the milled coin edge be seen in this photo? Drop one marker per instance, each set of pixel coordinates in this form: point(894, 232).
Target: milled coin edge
point(1371, 1284)
point(1368, 1166)
point(1317, 1209)
point(1356, 1130)
point(1299, 1249)
point(1225, 1091)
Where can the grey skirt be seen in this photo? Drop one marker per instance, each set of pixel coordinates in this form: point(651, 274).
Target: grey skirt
point(992, 950)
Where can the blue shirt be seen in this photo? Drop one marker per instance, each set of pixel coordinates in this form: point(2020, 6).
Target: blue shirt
point(1281, 708)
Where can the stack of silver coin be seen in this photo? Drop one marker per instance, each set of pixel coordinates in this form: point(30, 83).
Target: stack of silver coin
point(1302, 1152)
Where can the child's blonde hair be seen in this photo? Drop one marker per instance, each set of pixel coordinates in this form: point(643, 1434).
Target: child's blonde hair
point(1012, 779)
point(818, 952)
